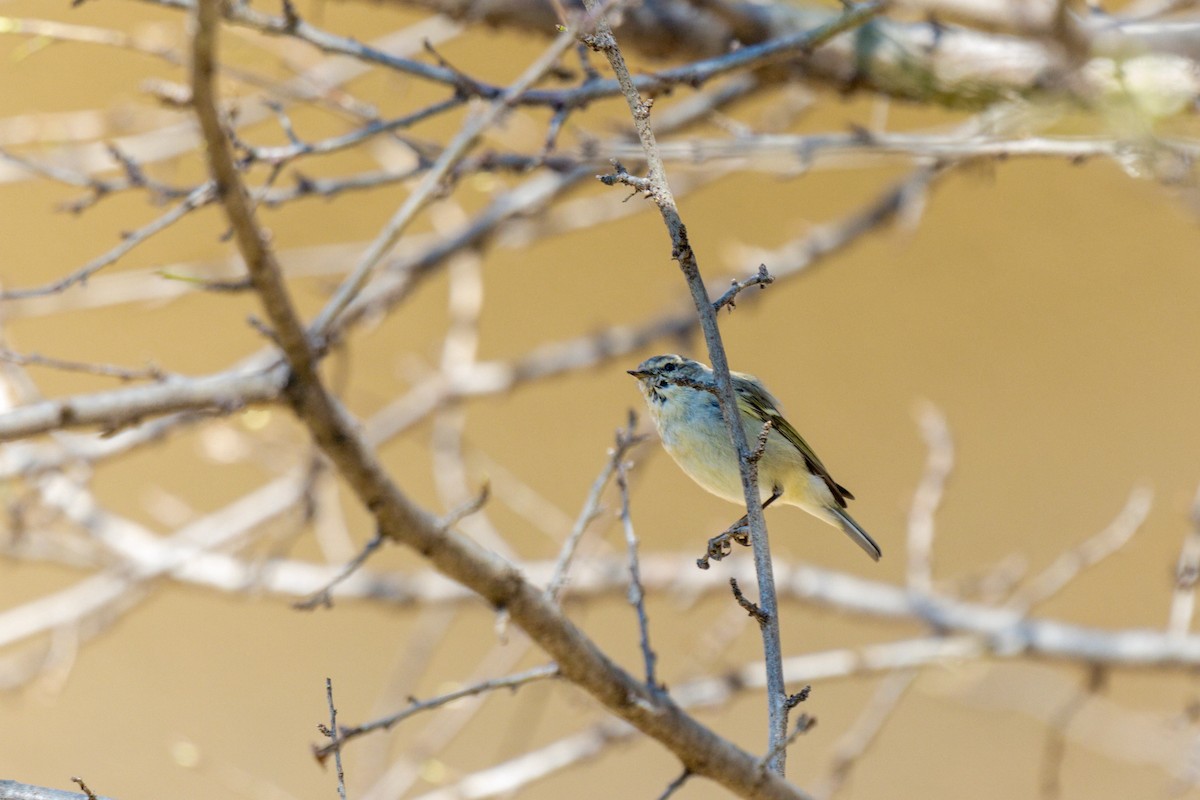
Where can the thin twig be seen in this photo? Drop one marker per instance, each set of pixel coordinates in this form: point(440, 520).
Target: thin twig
point(1055, 747)
point(928, 496)
point(675, 785)
point(751, 609)
point(335, 741)
point(443, 728)
point(761, 279)
point(1086, 554)
point(789, 45)
point(1187, 573)
point(107, 370)
point(506, 778)
point(637, 595)
point(323, 597)
point(804, 724)
point(590, 511)
point(855, 742)
point(417, 706)
point(199, 197)
point(466, 139)
point(87, 791)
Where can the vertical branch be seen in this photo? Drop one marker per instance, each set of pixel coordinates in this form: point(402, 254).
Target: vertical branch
point(1183, 600)
point(334, 740)
point(263, 269)
point(681, 251)
point(591, 510)
point(657, 188)
point(637, 595)
point(1055, 749)
point(928, 496)
point(459, 351)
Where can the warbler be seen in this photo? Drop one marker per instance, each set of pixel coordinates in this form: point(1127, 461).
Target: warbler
point(689, 422)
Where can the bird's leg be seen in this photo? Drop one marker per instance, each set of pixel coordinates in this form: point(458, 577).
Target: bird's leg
point(721, 545)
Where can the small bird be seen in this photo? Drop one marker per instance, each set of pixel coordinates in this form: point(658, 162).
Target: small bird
point(689, 422)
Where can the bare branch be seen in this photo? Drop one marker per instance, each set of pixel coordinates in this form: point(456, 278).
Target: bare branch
point(928, 496)
point(83, 785)
point(855, 743)
point(113, 410)
point(590, 511)
point(151, 372)
point(520, 150)
point(637, 595)
point(761, 279)
point(12, 790)
point(750, 608)
point(335, 741)
point(323, 597)
point(783, 152)
point(198, 198)
point(804, 723)
point(1187, 573)
point(1002, 632)
point(1087, 554)
point(455, 150)
point(417, 706)
point(681, 250)
point(503, 779)
point(498, 582)
point(675, 785)
point(146, 556)
point(1054, 750)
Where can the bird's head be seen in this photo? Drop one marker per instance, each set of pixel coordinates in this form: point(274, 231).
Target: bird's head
point(661, 377)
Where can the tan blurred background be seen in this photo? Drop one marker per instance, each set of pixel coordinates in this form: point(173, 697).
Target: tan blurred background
point(1047, 309)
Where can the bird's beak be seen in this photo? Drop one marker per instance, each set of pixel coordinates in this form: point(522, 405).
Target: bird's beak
point(637, 373)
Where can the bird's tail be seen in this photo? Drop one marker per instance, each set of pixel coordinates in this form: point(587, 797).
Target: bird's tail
point(855, 532)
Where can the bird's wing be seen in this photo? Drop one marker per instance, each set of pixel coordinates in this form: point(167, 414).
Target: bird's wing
point(758, 402)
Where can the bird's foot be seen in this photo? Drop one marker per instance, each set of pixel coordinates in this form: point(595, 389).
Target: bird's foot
point(721, 545)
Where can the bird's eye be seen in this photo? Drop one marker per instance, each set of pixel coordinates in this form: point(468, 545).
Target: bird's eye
point(670, 366)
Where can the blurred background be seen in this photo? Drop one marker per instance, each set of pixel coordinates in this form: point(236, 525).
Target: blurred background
point(1044, 306)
